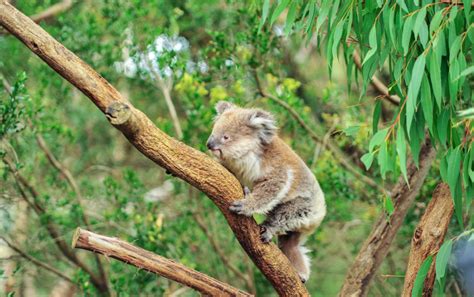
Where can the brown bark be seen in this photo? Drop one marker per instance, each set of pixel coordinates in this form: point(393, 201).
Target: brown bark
point(377, 83)
point(143, 259)
point(377, 245)
point(428, 237)
point(52, 11)
point(179, 159)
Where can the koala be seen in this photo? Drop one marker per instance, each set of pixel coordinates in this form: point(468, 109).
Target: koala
point(276, 181)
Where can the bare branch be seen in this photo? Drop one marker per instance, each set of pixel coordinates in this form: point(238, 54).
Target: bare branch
point(224, 258)
point(428, 237)
point(36, 261)
point(52, 11)
point(51, 227)
point(72, 182)
point(143, 259)
point(377, 244)
point(193, 166)
point(377, 83)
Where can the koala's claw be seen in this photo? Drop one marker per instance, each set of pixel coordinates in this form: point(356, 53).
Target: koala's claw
point(238, 207)
point(265, 234)
point(246, 191)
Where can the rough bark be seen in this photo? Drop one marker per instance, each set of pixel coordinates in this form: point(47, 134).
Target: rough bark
point(179, 159)
point(428, 237)
point(143, 259)
point(377, 244)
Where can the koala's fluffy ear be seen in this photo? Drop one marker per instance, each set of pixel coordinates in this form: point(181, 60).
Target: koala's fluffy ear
point(265, 123)
point(222, 106)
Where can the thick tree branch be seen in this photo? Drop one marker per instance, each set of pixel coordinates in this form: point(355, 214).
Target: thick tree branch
point(143, 259)
point(191, 165)
point(428, 237)
point(377, 83)
point(377, 244)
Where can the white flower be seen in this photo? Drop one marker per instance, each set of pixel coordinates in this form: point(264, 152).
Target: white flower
point(203, 67)
point(229, 63)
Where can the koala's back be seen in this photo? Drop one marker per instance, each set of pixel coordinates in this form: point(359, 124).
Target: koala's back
point(278, 157)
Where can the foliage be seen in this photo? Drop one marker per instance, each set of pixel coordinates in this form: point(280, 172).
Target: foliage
point(228, 47)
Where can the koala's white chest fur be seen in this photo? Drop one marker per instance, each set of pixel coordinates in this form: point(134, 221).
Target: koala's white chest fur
point(247, 169)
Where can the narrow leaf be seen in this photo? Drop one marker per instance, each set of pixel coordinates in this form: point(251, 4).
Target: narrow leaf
point(420, 277)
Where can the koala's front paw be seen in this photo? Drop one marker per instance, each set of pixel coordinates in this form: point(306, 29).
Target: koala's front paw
point(241, 208)
point(246, 191)
point(265, 234)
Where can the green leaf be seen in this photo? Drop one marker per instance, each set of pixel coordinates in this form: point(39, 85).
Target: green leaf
point(367, 159)
point(442, 259)
point(435, 77)
point(351, 131)
point(454, 166)
point(372, 43)
point(420, 18)
point(406, 35)
point(402, 152)
point(436, 21)
point(402, 5)
point(414, 88)
point(469, 70)
point(388, 205)
point(427, 102)
point(278, 10)
point(337, 37)
point(420, 277)
point(290, 17)
point(383, 159)
point(376, 116)
point(265, 11)
point(377, 139)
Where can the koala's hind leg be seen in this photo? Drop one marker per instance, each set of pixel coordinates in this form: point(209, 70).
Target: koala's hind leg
point(290, 245)
point(286, 217)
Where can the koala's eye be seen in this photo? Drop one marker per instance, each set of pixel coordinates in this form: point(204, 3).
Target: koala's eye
point(225, 137)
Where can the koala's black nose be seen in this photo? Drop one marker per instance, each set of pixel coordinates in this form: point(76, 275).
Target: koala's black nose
point(211, 143)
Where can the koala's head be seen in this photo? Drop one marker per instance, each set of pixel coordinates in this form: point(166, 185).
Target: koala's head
point(238, 131)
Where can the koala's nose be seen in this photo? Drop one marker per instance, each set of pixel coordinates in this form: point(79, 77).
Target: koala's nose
point(211, 143)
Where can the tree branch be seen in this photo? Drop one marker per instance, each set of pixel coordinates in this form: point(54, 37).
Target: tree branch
point(377, 244)
point(191, 165)
point(52, 228)
point(376, 83)
point(52, 11)
point(143, 259)
point(428, 237)
point(72, 183)
point(36, 261)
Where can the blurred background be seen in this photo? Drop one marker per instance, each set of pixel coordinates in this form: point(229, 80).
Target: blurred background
point(65, 167)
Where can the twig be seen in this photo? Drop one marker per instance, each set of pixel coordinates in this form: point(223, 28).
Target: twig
point(72, 182)
point(224, 258)
point(51, 227)
point(143, 259)
point(165, 88)
point(377, 83)
point(36, 261)
point(329, 144)
point(52, 11)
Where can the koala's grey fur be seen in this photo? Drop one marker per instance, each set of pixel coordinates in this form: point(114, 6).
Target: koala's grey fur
point(277, 182)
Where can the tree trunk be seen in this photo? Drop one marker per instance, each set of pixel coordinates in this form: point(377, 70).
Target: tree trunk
point(377, 245)
point(428, 237)
point(191, 165)
point(125, 252)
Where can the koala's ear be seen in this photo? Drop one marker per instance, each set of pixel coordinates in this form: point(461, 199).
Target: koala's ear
point(265, 123)
point(222, 106)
